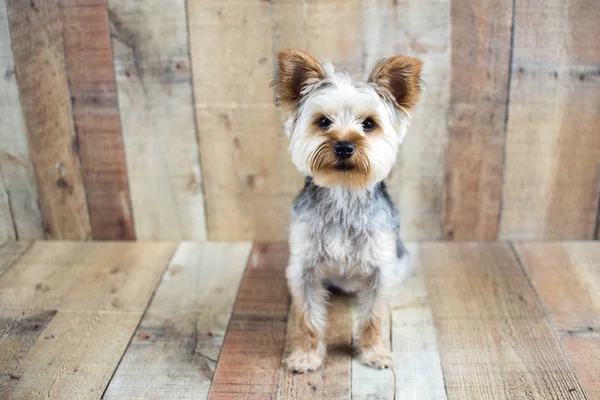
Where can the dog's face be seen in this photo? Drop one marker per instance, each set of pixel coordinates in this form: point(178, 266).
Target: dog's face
point(346, 133)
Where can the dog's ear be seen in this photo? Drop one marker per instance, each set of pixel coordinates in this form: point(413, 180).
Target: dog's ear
point(400, 76)
point(296, 70)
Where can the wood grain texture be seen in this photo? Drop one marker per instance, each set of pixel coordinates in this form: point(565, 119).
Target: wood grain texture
point(416, 354)
point(71, 309)
point(99, 143)
point(175, 350)
point(566, 276)
point(333, 380)
point(251, 355)
point(552, 174)
point(237, 123)
point(151, 51)
point(20, 216)
point(477, 117)
point(10, 252)
point(37, 30)
point(493, 337)
point(421, 29)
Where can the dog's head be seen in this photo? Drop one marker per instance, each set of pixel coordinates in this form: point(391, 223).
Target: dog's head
point(343, 132)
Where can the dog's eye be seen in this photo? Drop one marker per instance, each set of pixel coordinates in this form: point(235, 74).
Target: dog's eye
point(368, 125)
point(324, 123)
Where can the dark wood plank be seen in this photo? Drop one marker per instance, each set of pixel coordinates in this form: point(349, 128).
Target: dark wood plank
point(493, 336)
point(477, 117)
point(89, 63)
point(249, 365)
point(551, 180)
point(37, 31)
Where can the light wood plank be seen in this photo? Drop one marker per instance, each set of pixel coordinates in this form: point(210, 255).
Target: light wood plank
point(552, 146)
point(492, 334)
point(332, 381)
point(422, 30)
point(566, 276)
point(37, 32)
point(155, 100)
point(477, 117)
point(90, 311)
point(236, 117)
point(10, 252)
point(249, 365)
point(414, 345)
point(175, 350)
point(99, 143)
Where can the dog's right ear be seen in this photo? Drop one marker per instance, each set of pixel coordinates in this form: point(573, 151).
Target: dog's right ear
point(296, 70)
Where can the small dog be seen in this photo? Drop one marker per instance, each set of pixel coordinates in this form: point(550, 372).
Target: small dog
point(344, 136)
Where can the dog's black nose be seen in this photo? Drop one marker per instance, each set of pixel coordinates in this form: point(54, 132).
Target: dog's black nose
point(343, 150)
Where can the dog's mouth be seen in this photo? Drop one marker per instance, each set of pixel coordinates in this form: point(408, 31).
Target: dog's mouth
point(343, 166)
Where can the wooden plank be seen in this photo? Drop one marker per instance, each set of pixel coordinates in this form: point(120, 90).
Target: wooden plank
point(236, 117)
point(10, 252)
point(249, 365)
point(19, 212)
point(422, 30)
point(40, 67)
point(175, 350)
point(492, 334)
point(100, 307)
point(416, 355)
point(551, 176)
point(477, 117)
point(153, 70)
point(333, 380)
point(566, 276)
point(89, 63)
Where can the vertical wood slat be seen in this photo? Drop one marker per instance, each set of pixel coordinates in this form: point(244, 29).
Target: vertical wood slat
point(20, 216)
point(492, 333)
point(70, 310)
point(552, 174)
point(37, 29)
point(237, 123)
point(567, 278)
point(93, 95)
point(477, 117)
point(151, 55)
point(175, 350)
point(249, 363)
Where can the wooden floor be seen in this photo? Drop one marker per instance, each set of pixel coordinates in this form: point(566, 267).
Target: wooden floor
point(210, 320)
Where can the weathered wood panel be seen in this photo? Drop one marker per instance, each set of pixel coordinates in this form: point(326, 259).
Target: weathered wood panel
point(151, 51)
point(477, 117)
point(99, 143)
point(10, 252)
point(237, 123)
point(493, 337)
point(552, 174)
point(37, 31)
point(67, 331)
point(251, 355)
point(333, 380)
point(20, 216)
point(421, 29)
point(175, 350)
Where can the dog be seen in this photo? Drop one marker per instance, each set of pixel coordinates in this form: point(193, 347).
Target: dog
point(345, 231)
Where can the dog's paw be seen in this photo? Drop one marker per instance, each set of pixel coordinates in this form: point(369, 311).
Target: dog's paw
point(304, 361)
point(377, 357)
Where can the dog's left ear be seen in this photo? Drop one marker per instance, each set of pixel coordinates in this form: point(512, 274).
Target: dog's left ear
point(400, 76)
point(297, 69)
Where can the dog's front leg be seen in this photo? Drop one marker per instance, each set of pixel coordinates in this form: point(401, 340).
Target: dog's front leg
point(372, 308)
point(309, 311)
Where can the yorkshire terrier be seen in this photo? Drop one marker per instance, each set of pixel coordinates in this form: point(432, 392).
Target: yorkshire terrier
point(345, 230)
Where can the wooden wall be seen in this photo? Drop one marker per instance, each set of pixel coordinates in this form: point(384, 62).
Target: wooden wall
point(153, 119)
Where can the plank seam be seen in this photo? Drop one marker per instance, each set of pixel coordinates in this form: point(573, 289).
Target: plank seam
point(506, 116)
point(10, 207)
point(517, 257)
point(16, 260)
point(137, 326)
point(597, 230)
